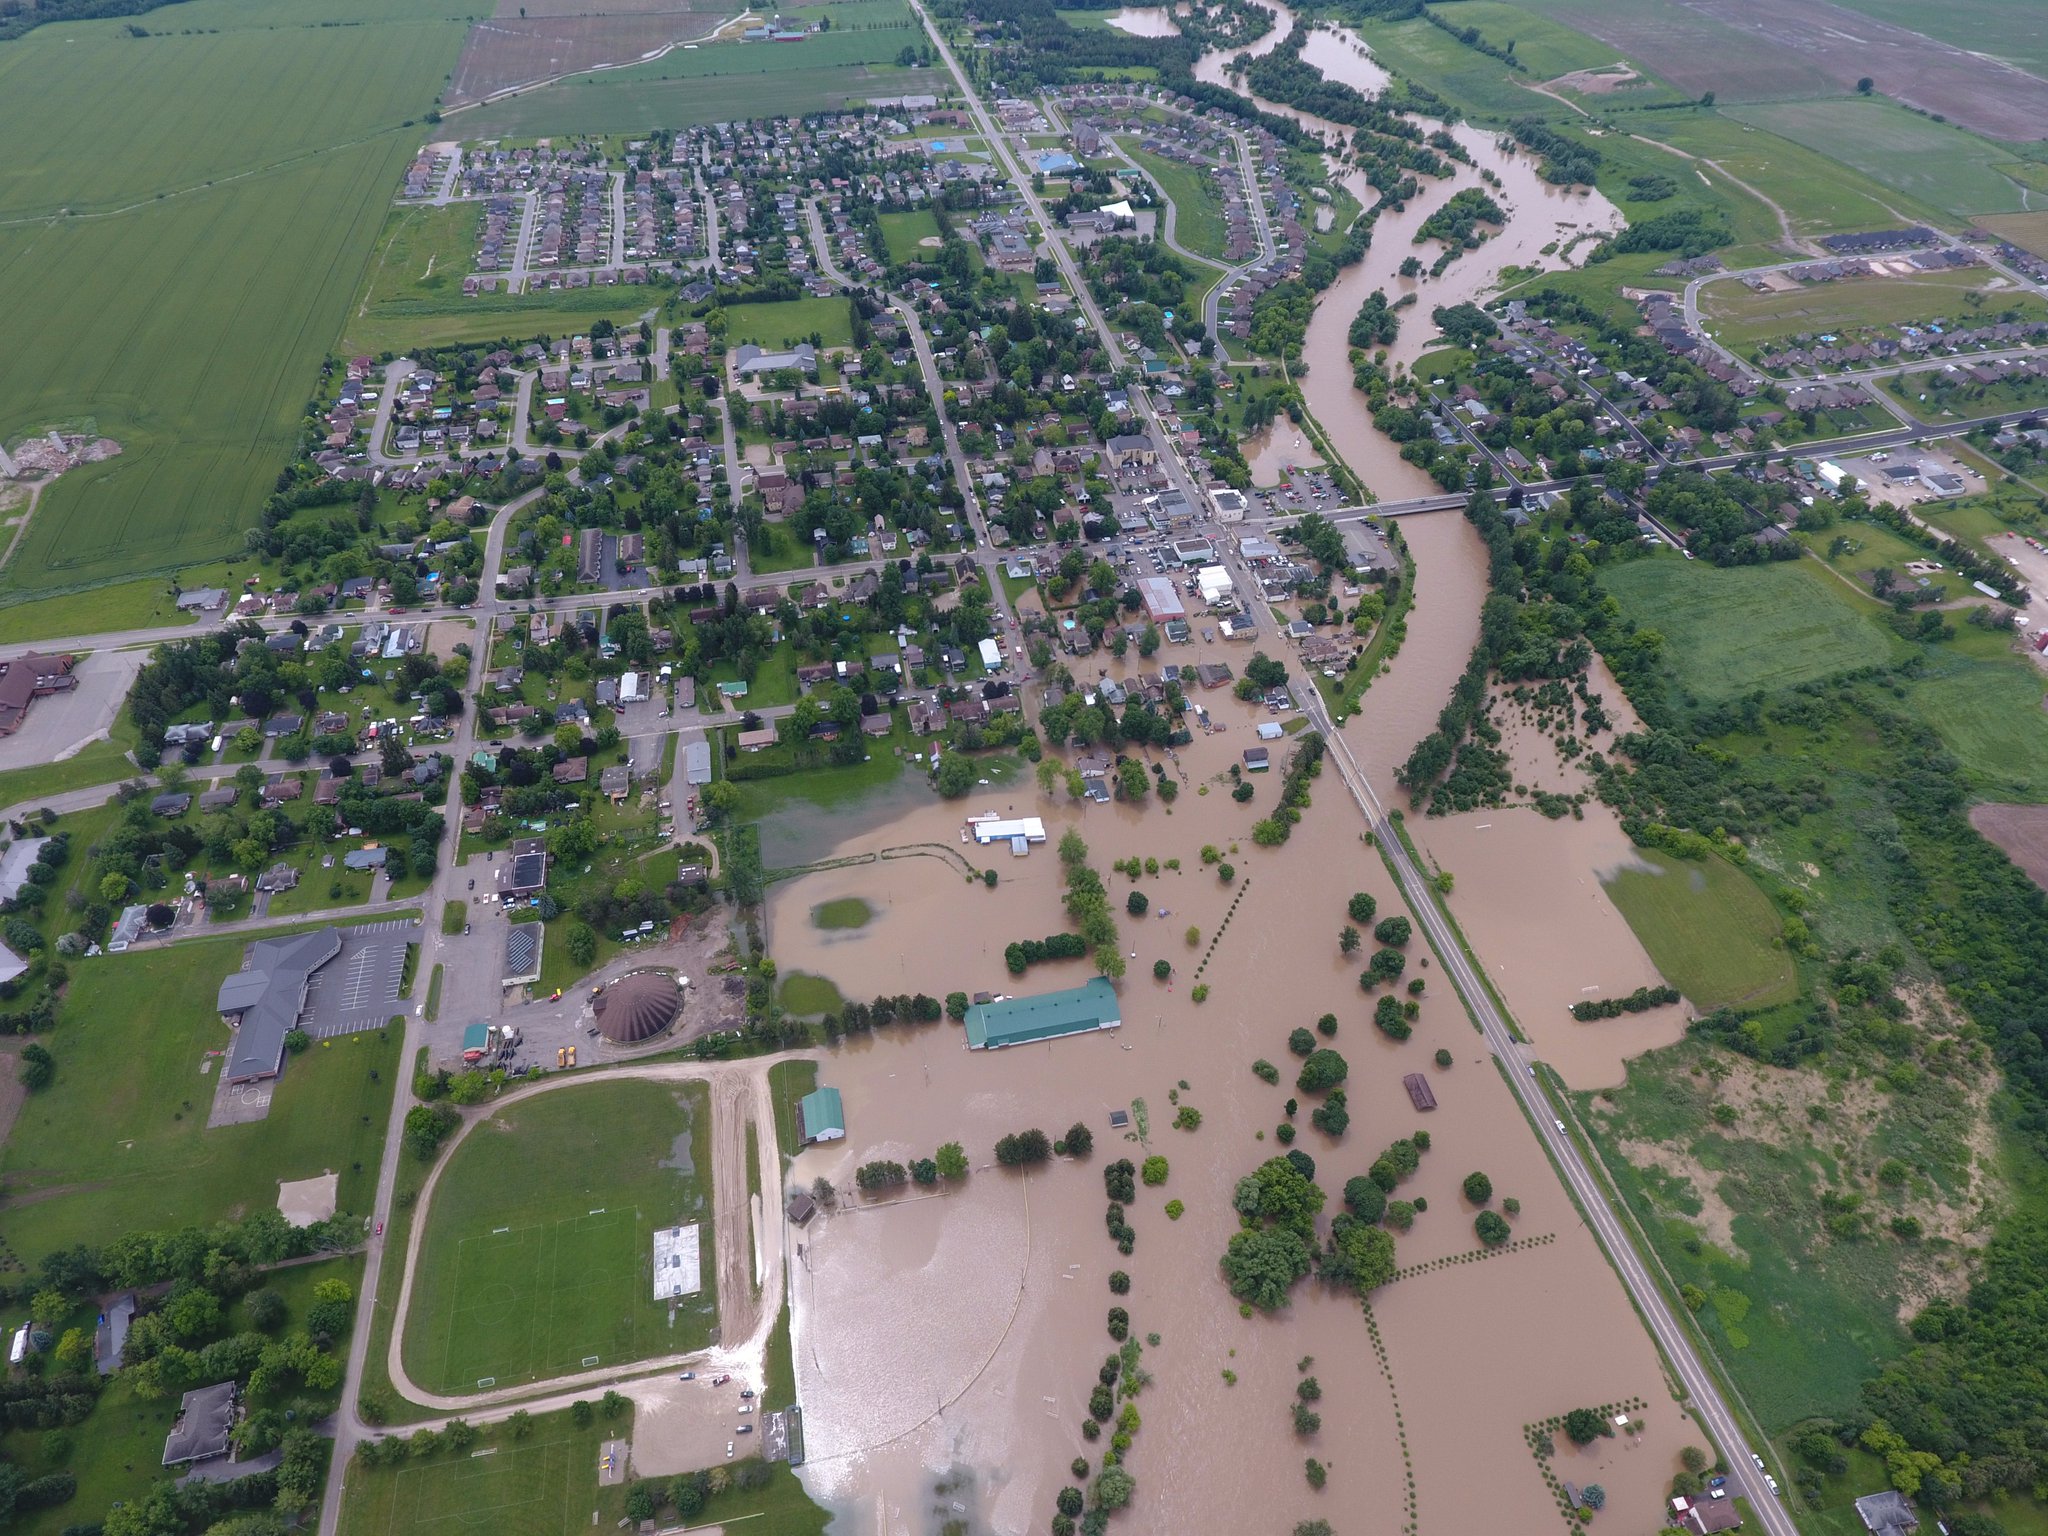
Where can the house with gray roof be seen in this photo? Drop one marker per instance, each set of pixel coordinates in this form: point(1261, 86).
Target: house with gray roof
point(750, 361)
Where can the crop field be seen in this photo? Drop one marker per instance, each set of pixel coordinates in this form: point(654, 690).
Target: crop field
point(1727, 632)
point(1545, 48)
point(529, 1279)
point(1743, 318)
point(119, 1142)
point(508, 51)
point(1938, 164)
point(1708, 928)
point(904, 234)
point(789, 321)
point(236, 182)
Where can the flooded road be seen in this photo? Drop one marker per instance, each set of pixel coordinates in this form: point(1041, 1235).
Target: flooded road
point(946, 1343)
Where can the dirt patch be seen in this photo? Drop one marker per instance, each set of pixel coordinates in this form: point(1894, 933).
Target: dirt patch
point(2020, 833)
point(306, 1201)
point(523, 50)
point(12, 1094)
point(1603, 81)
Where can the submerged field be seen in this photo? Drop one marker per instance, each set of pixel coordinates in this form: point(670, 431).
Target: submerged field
point(190, 246)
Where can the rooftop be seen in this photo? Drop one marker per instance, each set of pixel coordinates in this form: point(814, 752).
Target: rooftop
point(1021, 1020)
point(269, 994)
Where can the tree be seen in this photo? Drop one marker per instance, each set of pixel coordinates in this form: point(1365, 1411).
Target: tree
point(426, 1127)
point(1136, 903)
point(1865, 86)
point(1079, 1140)
point(1162, 970)
point(1594, 1495)
point(1365, 1199)
point(1301, 1042)
point(1478, 1188)
point(1348, 940)
point(265, 1309)
point(1393, 930)
point(1360, 1254)
point(1154, 1170)
point(1261, 1265)
point(1022, 1148)
point(1582, 1426)
point(1113, 1488)
point(1492, 1228)
point(1323, 1070)
point(1693, 1459)
point(612, 1404)
point(956, 1006)
point(952, 1161)
point(956, 775)
point(38, 1067)
point(1385, 965)
point(1362, 907)
point(582, 943)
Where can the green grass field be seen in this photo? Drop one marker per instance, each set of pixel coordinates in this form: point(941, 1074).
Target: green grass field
point(530, 1278)
point(1936, 163)
point(903, 233)
point(541, 1485)
point(1197, 202)
point(1742, 318)
point(788, 1082)
point(186, 292)
point(119, 1142)
point(808, 996)
point(790, 321)
point(1727, 632)
point(845, 912)
point(1709, 929)
point(1986, 702)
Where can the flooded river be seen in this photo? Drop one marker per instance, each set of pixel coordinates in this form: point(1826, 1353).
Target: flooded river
point(946, 1343)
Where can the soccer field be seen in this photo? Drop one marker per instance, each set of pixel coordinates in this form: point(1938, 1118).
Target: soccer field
point(538, 1257)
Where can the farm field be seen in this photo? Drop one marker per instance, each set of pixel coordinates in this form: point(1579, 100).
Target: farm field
point(1743, 318)
point(1935, 163)
point(1729, 631)
point(1692, 49)
point(2028, 231)
point(724, 80)
point(188, 318)
point(1197, 202)
point(528, 1280)
point(2004, 29)
point(903, 233)
point(1986, 701)
point(515, 50)
point(119, 1141)
point(1819, 195)
point(1708, 928)
point(790, 321)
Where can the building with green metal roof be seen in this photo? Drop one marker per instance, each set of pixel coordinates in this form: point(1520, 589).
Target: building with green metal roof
point(820, 1116)
point(1023, 1020)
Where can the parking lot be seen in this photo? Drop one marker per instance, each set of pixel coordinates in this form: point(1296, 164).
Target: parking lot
point(358, 988)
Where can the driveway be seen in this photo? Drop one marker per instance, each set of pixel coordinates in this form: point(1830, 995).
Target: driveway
point(63, 724)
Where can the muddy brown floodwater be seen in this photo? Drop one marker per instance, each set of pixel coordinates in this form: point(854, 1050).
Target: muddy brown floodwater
point(946, 1344)
point(1145, 21)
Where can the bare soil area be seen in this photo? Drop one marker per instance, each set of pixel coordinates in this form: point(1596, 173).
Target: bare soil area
point(2021, 833)
point(1597, 82)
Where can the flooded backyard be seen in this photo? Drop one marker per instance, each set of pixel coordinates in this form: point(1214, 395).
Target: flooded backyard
point(946, 1343)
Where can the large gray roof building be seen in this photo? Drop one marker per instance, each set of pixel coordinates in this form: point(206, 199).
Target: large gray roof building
point(264, 1000)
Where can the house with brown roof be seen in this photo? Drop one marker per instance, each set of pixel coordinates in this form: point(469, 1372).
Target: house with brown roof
point(26, 678)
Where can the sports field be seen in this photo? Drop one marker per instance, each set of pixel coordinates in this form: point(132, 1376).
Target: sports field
point(1727, 632)
point(539, 1251)
point(541, 1485)
point(904, 234)
point(1937, 163)
point(1708, 928)
point(222, 195)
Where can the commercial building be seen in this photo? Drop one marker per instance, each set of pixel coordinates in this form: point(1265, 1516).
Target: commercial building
point(1162, 602)
point(1024, 1020)
point(998, 829)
